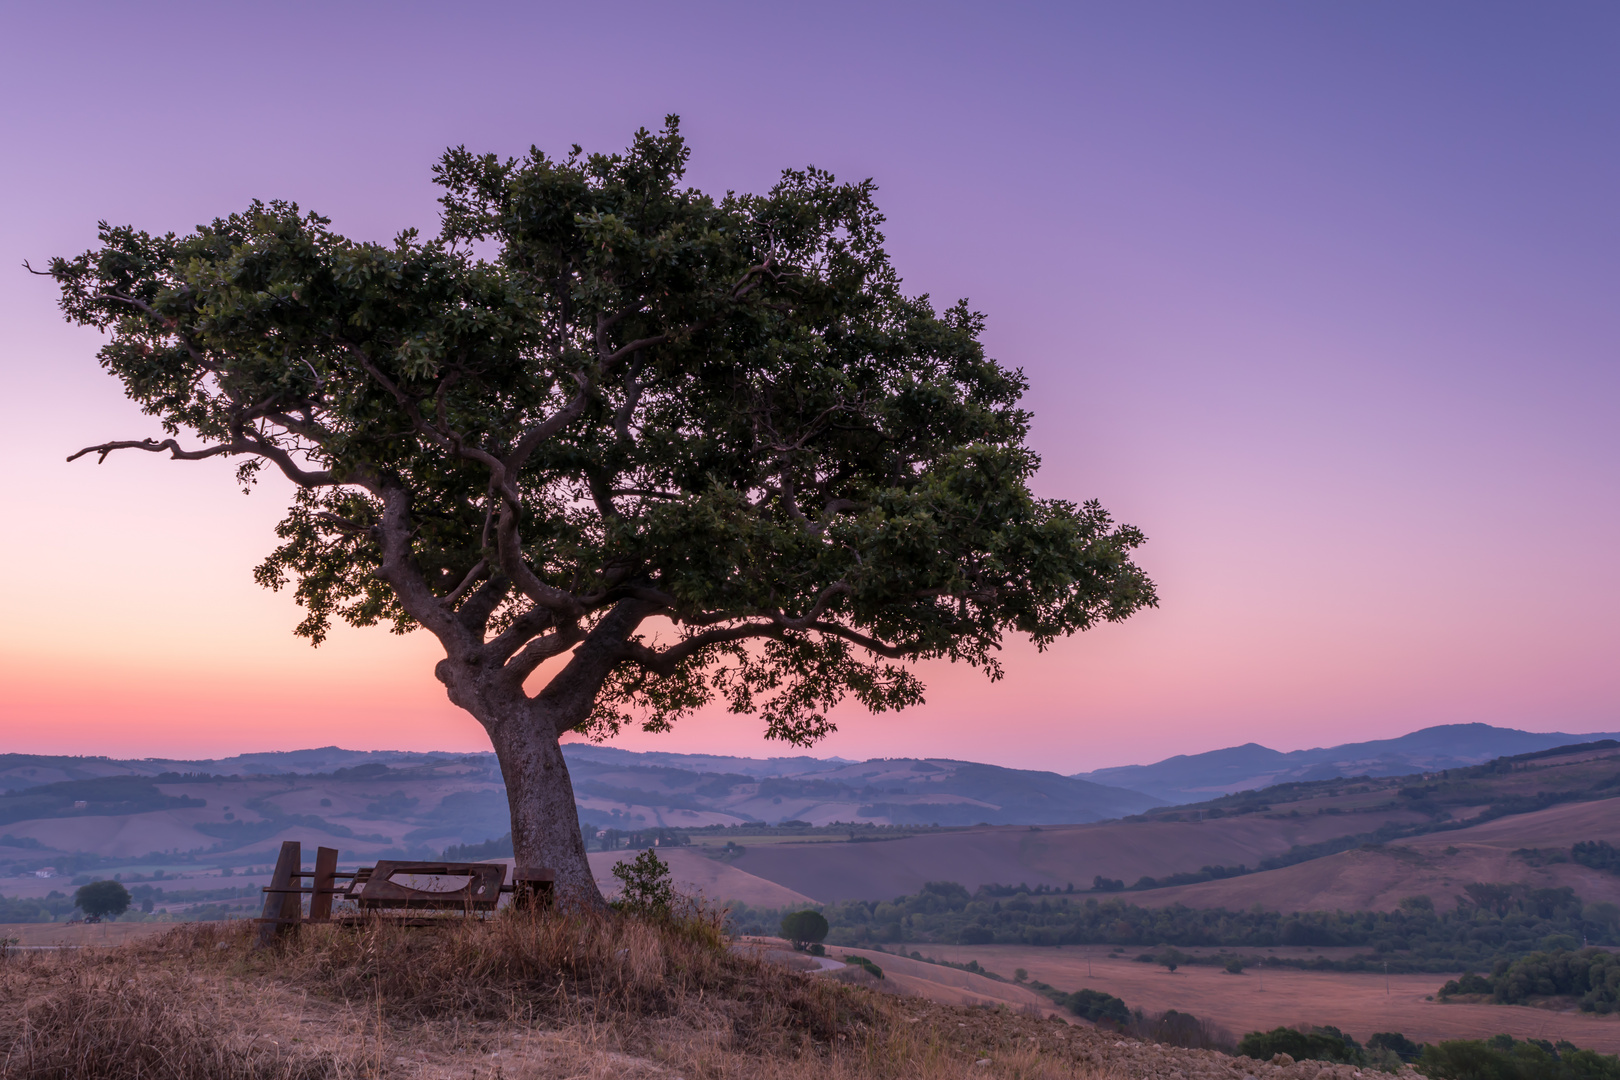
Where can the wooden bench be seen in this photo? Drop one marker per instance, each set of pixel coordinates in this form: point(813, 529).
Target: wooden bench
point(375, 891)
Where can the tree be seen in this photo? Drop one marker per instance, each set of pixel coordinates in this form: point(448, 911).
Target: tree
point(102, 898)
point(804, 927)
point(688, 449)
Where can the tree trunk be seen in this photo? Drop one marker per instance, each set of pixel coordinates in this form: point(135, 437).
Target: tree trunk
point(545, 822)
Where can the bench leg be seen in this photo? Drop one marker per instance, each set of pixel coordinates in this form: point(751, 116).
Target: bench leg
point(280, 899)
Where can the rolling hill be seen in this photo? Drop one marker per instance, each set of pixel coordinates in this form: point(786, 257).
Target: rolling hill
point(1320, 845)
point(1361, 841)
point(377, 804)
point(1190, 777)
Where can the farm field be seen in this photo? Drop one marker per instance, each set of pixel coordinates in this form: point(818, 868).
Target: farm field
point(1259, 1001)
point(1439, 865)
point(1055, 855)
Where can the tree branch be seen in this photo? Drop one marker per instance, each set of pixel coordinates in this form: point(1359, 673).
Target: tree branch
point(167, 323)
point(475, 611)
point(501, 647)
point(510, 549)
point(837, 588)
point(250, 444)
point(870, 644)
point(466, 583)
point(175, 453)
point(665, 662)
point(540, 650)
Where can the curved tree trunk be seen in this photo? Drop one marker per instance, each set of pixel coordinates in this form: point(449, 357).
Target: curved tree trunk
point(545, 822)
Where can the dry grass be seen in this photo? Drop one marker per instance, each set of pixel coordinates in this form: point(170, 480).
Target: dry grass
point(520, 995)
point(106, 1016)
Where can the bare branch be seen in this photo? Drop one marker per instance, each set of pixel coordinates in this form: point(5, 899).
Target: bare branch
point(175, 453)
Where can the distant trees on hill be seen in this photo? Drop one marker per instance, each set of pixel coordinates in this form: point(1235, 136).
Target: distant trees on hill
point(1593, 975)
point(1598, 854)
point(1493, 923)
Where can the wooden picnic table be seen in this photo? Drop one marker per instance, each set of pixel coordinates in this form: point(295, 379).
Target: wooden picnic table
point(375, 891)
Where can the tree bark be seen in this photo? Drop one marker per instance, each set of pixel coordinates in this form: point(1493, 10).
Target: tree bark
point(545, 822)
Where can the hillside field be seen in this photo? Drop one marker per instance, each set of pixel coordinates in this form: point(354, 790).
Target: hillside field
point(1281, 997)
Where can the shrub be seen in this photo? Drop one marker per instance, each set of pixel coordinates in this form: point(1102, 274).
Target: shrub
point(1395, 1043)
point(1317, 1044)
point(1098, 1007)
point(1468, 984)
point(645, 885)
point(864, 962)
point(1505, 1058)
point(1598, 854)
point(1180, 1029)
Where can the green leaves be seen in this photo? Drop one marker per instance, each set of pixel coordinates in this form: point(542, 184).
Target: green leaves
point(724, 411)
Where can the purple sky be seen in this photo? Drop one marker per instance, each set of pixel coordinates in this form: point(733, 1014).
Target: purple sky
point(1323, 297)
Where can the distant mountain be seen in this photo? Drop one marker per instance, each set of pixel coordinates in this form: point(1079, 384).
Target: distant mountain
point(1194, 777)
point(21, 771)
point(377, 803)
point(695, 790)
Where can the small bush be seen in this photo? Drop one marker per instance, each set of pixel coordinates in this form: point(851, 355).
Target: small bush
point(1395, 1043)
point(864, 962)
point(1180, 1029)
point(1318, 1044)
point(646, 886)
point(1098, 1007)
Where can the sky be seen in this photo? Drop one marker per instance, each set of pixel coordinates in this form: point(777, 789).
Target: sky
point(1323, 297)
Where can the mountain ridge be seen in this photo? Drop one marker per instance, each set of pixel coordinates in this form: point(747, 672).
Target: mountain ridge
point(1185, 778)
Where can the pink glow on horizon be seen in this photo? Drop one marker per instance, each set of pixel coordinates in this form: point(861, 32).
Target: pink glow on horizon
point(1321, 299)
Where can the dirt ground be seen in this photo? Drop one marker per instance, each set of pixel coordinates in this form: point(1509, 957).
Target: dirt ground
point(105, 933)
point(1259, 1000)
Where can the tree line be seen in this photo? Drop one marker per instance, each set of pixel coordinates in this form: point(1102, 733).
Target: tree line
point(1491, 922)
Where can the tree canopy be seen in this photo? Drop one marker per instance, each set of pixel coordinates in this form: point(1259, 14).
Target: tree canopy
point(101, 898)
point(706, 447)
